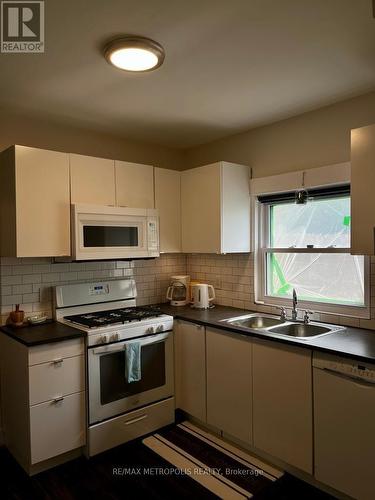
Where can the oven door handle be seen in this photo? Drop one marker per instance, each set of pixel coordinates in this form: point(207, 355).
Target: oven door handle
point(155, 339)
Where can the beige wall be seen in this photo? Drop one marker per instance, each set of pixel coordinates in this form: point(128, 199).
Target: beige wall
point(313, 139)
point(43, 133)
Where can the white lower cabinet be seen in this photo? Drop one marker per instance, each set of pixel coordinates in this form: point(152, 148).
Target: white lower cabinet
point(43, 401)
point(282, 403)
point(190, 369)
point(229, 383)
point(51, 380)
point(57, 427)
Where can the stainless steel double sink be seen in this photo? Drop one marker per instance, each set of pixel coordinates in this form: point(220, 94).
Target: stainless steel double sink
point(266, 323)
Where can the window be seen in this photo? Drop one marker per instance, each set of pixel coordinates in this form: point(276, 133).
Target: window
point(307, 247)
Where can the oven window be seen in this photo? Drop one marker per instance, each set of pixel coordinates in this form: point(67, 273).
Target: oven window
point(113, 384)
point(110, 236)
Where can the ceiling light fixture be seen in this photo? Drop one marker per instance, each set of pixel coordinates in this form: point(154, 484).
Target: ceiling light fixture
point(134, 53)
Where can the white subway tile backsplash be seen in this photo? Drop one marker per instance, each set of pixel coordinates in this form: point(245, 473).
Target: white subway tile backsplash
point(10, 300)
point(30, 298)
point(41, 268)
point(22, 269)
point(6, 270)
point(11, 280)
point(85, 275)
point(70, 276)
point(233, 278)
point(50, 277)
point(29, 281)
point(22, 288)
point(32, 278)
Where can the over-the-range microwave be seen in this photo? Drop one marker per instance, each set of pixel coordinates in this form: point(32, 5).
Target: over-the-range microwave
point(104, 232)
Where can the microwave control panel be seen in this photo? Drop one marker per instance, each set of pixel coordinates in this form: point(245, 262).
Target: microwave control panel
point(152, 233)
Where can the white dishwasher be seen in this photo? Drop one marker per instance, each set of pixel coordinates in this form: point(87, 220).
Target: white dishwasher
point(344, 424)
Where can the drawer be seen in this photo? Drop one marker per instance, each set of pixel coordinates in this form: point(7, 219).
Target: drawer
point(56, 350)
point(57, 428)
point(56, 378)
point(130, 426)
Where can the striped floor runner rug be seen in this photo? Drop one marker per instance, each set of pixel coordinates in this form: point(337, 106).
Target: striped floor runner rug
point(221, 468)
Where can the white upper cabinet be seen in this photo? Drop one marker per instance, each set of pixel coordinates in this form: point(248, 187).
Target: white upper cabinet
point(35, 210)
point(362, 190)
point(277, 183)
point(215, 205)
point(92, 180)
point(329, 175)
point(134, 185)
point(168, 202)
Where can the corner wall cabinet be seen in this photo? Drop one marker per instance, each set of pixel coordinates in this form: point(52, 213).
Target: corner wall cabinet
point(362, 190)
point(35, 202)
point(168, 202)
point(215, 201)
point(43, 401)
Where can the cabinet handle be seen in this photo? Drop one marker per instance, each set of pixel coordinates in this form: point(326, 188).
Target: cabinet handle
point(57, 361)
point(134, 420)
point(58, 400)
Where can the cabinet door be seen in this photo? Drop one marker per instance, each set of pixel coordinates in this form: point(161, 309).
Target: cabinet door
point(229, 383)
point(200, 206)
point(134, 185)
point(235, 208)
point(362, 192)
point(57, 427)
point(42, 202)
point(56, 378)
point(190, 369)
point(92, 180)
point(282, 403)
point(168, 202)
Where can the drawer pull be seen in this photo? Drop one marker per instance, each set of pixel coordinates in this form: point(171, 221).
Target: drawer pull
point(58, 400)
point(136, 419)
point(57, 361)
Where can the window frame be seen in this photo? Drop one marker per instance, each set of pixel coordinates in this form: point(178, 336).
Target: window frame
point(261, 236)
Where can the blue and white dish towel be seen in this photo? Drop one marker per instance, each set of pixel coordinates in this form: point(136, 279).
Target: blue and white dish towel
point(133, 369)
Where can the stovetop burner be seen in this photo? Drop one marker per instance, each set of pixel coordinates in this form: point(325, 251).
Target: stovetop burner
point(112, 316)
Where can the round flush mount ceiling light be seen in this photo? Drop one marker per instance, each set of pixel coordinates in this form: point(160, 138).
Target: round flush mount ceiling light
point(134, 53)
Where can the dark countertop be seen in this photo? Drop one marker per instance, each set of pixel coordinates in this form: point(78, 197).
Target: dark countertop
point(42, 334)
point(350, 342)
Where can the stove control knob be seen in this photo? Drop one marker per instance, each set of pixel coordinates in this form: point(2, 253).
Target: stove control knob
point(150, 329)
point(115, 337)
point(160, 328)
point(104, 339)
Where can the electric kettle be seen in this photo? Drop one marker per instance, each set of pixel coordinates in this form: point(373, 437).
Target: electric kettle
point(201, 296)
point(178, 291)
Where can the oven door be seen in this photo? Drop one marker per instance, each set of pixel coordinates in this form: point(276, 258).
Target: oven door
point(110, 393)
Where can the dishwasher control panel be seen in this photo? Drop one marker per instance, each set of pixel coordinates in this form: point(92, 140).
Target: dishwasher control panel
point(349, 367)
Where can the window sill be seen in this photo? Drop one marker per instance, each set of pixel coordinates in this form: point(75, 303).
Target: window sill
point(357, 312)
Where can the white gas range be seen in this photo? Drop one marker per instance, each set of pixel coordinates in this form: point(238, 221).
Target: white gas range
point(129, 359)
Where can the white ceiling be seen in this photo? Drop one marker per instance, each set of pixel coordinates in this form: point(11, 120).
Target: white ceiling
point(230, 65)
